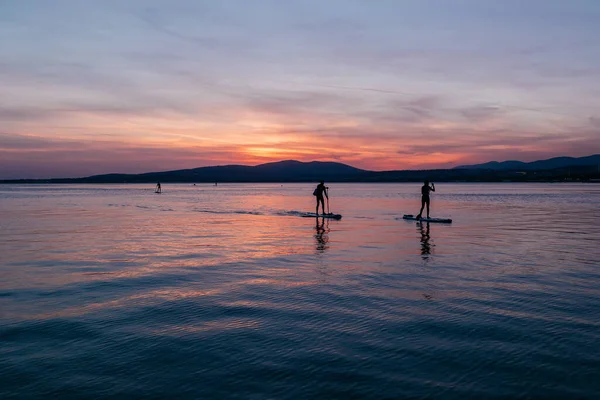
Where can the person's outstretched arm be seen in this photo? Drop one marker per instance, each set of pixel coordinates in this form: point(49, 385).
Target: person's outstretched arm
point(432, 187)
point(326, 194)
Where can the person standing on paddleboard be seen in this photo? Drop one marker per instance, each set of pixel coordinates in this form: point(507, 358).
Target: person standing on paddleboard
point(319, 191)
point(425, 200)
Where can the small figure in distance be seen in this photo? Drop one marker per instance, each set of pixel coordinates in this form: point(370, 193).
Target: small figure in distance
point(318, 192)
point(158, 189)
point(425, 200)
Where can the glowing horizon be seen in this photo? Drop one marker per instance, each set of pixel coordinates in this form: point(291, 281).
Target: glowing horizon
point(152, 86)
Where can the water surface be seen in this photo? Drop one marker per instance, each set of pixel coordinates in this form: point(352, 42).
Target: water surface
point(208, 292)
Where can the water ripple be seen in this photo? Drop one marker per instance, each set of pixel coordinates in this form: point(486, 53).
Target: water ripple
point(106, 295)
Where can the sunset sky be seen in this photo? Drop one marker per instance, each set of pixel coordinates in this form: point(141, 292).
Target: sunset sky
point(99, 86)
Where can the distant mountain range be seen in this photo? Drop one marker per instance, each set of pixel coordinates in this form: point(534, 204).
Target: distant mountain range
point(552, 163)
point(555, 169)
point(282, 171)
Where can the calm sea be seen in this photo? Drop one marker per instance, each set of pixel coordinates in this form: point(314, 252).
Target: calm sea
point(226, 292)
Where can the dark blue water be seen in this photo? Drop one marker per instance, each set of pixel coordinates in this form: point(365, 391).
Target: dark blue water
point(204, 292)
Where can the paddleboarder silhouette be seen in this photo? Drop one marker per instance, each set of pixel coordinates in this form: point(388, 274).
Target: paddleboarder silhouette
point(318, 192)
point(425, 200)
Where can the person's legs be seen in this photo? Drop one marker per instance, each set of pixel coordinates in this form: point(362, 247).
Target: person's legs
point(428, 201)
point(422, 206)
point(320, 199)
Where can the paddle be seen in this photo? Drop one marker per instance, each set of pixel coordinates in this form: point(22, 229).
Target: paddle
point(328, 212)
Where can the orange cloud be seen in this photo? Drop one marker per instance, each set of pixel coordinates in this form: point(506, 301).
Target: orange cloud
point(378, 135)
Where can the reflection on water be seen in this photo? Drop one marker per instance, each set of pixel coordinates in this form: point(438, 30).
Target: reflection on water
point(321, 235)
point(246, 299)
point(426, 243)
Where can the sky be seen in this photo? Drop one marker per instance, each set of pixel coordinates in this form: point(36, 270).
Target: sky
point(102, 86)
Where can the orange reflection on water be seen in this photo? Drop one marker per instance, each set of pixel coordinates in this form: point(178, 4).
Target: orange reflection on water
point(146, 298)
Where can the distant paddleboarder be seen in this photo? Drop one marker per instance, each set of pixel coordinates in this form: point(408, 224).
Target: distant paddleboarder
point(425, 200)
point(318, 192)
point(158, 189)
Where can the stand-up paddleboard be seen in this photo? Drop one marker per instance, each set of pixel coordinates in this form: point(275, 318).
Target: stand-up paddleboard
point(158, 192)
point(411, 217)
point(328, 215)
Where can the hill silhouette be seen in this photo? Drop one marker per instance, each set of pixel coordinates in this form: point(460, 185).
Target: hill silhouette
point(281, 171)
point(552, 163)
point(555, 169)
